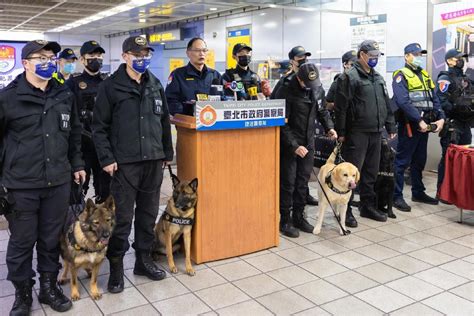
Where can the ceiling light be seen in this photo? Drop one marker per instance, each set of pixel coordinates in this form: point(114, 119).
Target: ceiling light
point(213, 9)
point(118, 9)
point(142, 20)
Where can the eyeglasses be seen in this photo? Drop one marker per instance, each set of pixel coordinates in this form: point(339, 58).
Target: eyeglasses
point(140, 56)
point(204, 50)
point(44, 59)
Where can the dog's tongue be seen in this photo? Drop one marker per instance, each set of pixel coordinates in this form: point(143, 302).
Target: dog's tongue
point(104, 241)
point(352, 185)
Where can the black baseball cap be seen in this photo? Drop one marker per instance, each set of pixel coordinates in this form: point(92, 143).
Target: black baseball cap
point(371, 47)
point(135, 44)
point(414, 48)
point(298, 51)
point(454, 53)
point(349, 56)
point(309, 74)
point(90, 47)
point(238, 47)
point(37, 45)
point(67, 53)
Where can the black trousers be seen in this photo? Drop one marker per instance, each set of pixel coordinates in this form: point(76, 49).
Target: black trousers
point(363, 150)
point(135, 185)
point(294, 176)
point(101, 178)
point(38, 219)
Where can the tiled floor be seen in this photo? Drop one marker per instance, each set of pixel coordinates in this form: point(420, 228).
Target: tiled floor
point(421, 263)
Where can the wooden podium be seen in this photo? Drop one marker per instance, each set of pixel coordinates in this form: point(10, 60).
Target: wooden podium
point(238, 192)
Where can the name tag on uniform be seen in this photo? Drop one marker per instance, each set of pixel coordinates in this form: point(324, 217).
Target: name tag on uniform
point(190, 78)
point(65, 121)
point(158, 106)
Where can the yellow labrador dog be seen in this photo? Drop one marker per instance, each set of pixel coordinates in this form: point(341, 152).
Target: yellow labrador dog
point(337, 181)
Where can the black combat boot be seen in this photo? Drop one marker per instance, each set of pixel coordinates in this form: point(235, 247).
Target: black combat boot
point(23, 298)
point(145, 266)
point(311, 200)
point(115, 283)
point(286, 225)
point(369, 211)
point(51, 293)
point(300, 222)
point(350, 219)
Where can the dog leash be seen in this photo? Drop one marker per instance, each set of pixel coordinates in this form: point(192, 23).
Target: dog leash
point(338, 218)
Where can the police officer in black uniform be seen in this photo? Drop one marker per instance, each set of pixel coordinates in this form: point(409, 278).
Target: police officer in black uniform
point(85, 87)
point(298, 56)
point(242, 53)
point(132, 135)
point(348, 59)
point(456, 93)
point(304, 97)
point(186, 83)
point(362, 111)
point(40, 138)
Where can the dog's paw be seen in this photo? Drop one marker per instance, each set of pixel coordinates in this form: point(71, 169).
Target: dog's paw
point(75, 296)
point(190, 271)
point(348, 232)
point(173, 269)
point(63, 281)
point(96, 296)
point(316, 231)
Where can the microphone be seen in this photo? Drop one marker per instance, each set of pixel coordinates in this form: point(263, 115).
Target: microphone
point(252, 90)
point(217, 90)
point(201, 96)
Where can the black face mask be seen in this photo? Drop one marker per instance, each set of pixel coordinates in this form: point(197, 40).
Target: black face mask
point(460, 63)
point(244, 61)
point(94, 64)
point(301, 62)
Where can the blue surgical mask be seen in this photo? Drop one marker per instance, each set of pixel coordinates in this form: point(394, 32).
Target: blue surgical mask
point(69, 68)
point(140, 65)
point(372, 62)
point(417, 61)
point(45, 71)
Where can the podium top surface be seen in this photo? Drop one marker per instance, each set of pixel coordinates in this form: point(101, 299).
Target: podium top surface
point(185, 121)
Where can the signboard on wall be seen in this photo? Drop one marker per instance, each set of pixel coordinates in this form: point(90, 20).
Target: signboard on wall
point(10, 62)
point(176, 63)
point(235, 35)
point(211, 58)
point(371, 27)
point(453, 28)
point(168, 36)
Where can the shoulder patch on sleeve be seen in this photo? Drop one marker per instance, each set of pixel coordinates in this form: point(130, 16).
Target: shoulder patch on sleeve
point(443, 85)
point(399, 78)
point(170, 79)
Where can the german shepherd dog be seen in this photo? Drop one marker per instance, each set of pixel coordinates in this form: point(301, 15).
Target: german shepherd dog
point(85, 244)
point(385, 184)
point(177, 220)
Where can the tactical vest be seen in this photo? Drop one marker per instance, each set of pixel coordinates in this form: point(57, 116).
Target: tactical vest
point(419, 91)
point(463, 95)
point(58, 79)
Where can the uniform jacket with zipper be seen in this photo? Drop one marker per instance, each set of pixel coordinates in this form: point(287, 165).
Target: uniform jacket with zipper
point(303, 106)
point(131, 121)
point(362, 103)
point(40, 135)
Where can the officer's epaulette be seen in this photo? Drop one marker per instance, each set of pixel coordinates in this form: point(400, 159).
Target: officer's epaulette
point(76, 74)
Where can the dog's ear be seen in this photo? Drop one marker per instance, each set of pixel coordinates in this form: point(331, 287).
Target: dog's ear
point(89, 206)
point(357, 176)
point(194, 184)
point(175, 180)
point(110, 203)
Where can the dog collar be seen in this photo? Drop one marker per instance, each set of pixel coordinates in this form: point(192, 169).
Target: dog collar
point(332, 187)
point(73, 242)
point(178, 220)
point(387, 174)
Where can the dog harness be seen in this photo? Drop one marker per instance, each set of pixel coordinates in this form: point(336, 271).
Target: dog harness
point(178, 220)
point(386, 174)
point(73, 242)
point(331, 186)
